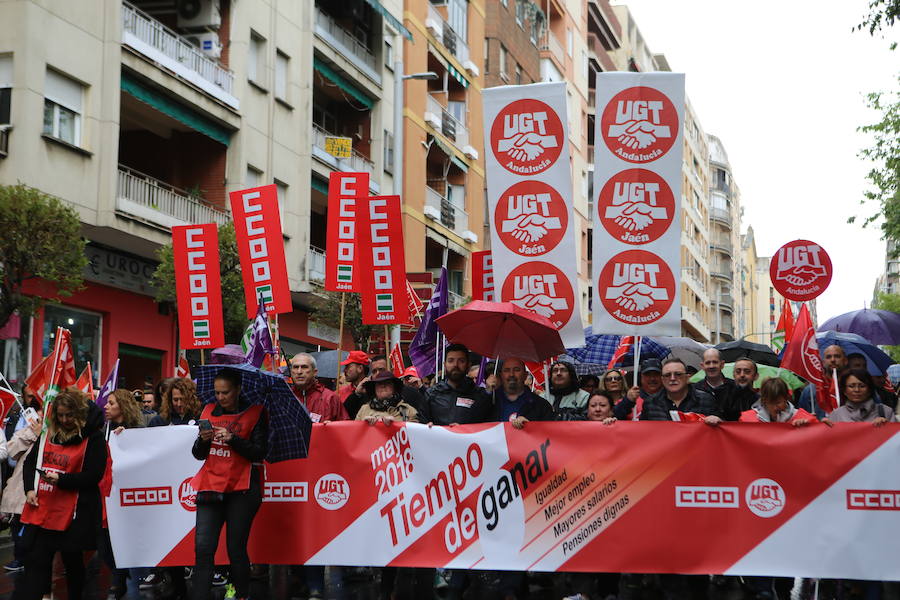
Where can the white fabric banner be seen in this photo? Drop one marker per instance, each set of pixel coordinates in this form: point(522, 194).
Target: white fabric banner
point(529, 184)
point(637, 207)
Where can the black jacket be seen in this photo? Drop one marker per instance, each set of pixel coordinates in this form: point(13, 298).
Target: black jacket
point(82, 534)
point(697, 401)
point(535, 408)
point(443, 404)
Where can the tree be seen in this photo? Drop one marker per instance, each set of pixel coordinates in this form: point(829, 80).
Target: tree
point(882, 14)
point(41, 239)
point(234, 310)
point(328, 312)
point(889, 302)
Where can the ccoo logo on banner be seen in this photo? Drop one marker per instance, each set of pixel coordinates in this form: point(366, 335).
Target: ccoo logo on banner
point(382, 264)
point(637, 225)
point(530, 204)
point(346, 194)
point(198, 288)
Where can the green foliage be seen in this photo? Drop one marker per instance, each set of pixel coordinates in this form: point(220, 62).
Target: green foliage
point(41, 238)
point(889, 302)
point(233, 307)
point(882, 14)
point(328, 312)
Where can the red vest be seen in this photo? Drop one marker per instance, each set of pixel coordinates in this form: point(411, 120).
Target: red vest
point(751, 416)
point(56, 506)
point(224, 469)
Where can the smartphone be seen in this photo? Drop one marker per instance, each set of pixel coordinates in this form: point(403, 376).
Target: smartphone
point(31, 416)
point(204, 424)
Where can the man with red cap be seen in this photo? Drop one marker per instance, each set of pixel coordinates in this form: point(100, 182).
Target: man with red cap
point(356, 367)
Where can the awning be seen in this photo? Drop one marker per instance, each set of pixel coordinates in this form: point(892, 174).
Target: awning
point(168, 106)
point(456, 161)
point(390, 18)
point(458, 76)
point(342, 82)
point(443, 147)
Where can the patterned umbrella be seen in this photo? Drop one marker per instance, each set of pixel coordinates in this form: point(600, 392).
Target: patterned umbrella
point(599, 349)
point(290, 427)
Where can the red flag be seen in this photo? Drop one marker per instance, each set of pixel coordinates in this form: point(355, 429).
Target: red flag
point(39, 380)
point(537, 371)
point(7, 400)
point(787, 316)
point(802, 357)
point(416, 306)
point(397, 361)
point(624, 347)
point(182, 369)
point(85, 381)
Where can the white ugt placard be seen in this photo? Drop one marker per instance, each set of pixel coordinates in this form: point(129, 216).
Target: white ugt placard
point(637, 208)
point(530, 203)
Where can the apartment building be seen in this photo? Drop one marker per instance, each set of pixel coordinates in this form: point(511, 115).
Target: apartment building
point(144, 115)
point(761, 303)
point(887, 282)
point(724, 244)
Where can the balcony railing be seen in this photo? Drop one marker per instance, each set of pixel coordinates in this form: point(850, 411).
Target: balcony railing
point(722, 271)
point(159, 43)
point(552, 45)
point(452, 217)
point(356, 163)
point(352, 49)
point(456, 300)
point(720, 214)
point(452, 129)
point(445, 34)
point(315, 264)
point(150, 199)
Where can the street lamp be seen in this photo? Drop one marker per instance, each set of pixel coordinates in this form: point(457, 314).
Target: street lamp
point(399, 78)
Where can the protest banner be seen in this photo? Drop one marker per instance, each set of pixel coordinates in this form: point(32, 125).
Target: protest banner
point(344, 192)
point(257, 230)
point(800, 270)
point(483, 276)
point(737, 499)
point(382, 266)
point(198, 287)
point(529, 187)
point(637, 208)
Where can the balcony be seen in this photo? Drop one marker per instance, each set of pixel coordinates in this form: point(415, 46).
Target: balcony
point(153, 201)
point(721, 244)
point(726, 301)
point(450, 127)
point(722, 272)
point(445, 212)
point(349, 47)
point(163, 46)
point(455, 300)
point(355, 164)
point(551, 44)
point(721, 215)
point(693, 325)
point(315, 265)
point(445, 34)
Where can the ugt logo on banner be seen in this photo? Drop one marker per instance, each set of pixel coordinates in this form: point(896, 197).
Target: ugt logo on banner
point(531, 218)
point(198, 289)
point(381, 261)
point(800, 270)
point(344, 192)
point(639, 124)
point(527, 137)
point(636, 287)
point(543, 288)
point(636, 206)
point(257, 229)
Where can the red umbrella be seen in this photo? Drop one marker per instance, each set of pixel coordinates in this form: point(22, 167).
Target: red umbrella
point(502, 330)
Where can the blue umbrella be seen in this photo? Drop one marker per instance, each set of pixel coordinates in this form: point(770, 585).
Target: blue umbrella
point(290, 427)
point(877, 326)
point(599, 349)
point(877, 361)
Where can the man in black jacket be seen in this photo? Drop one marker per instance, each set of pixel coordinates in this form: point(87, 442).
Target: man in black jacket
point(678, 395)
point(515, 402)
point(715, 383)
point(456, 399)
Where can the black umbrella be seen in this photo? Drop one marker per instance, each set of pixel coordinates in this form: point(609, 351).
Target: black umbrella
point(759, 353)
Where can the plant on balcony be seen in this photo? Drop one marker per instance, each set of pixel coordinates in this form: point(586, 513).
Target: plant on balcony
point(41, 240)
point(233, 308)
point(328, 312)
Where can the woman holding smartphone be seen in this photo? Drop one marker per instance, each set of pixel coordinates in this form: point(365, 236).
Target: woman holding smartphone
point(232, 442)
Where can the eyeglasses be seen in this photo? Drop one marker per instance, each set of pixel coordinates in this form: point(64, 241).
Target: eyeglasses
point(676, 375)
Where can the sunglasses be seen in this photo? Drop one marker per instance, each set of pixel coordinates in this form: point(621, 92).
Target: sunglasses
point(613, 378)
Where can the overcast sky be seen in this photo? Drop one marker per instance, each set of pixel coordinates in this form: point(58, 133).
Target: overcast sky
point(782, 85)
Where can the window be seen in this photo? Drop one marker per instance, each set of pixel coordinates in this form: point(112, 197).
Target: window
point(5, 88)
point(282, 189)
point(503, 74)
point(62, 107)
point(86, 335)
point(487, 55)
point(536, 25)
point(388, 54)
point(504, 2)
point(388, 151)
point(520, 13)
point(256, 60)
point(518, 74)
point(570, 42)
point(254, 177)
point(281, 75)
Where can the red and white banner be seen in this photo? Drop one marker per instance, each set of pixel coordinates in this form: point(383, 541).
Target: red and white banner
point(551, 497)
point(529, 184)
point(483, 276)
point(341, 264)
point(198, 287)
point(397, 366)
point(637, 222)
point(382, 266)
point(800, 270)
point(257, 228)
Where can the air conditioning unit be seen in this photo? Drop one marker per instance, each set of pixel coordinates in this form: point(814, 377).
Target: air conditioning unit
point(199, 13)
point(434, 120)
point(432, 213)
point(434, 27)
point(470, 152)
point(207, 42)
point(469, 236)
point(471, 68)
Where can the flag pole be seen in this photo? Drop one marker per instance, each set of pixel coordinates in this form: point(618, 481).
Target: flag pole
point(202, 357)
point(387, 342)
point(10, 389)
point(837, 392)
point(637, 361)
point(54, 381)
point(340, 338)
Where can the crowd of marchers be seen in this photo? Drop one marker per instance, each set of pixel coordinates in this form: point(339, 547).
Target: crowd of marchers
point(57, 508)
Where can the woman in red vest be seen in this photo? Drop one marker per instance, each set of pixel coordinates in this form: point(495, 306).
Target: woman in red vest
point(774, 406)
point(229, 484)
point(63, 514)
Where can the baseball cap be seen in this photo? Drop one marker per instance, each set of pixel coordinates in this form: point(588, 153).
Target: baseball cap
point(356, 356)
point(410, 371)
point(651, 365)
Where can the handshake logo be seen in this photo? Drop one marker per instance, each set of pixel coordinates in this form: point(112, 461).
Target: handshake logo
point(531, 218)
point(639, 124)
point(527, 137)
point(635, 288)
point(800, 265)
point(634, 206)
point(542, 288)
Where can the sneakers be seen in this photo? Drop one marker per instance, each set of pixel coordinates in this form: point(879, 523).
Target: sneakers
point(14, 566)
point(188, 572)
point(230, 593)
point(149, 581)
point(219, 579)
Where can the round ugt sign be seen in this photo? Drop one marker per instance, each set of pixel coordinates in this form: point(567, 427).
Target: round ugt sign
point(801, 270)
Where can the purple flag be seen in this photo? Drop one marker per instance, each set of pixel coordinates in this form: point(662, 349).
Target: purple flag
point(423, 350)
point(479, 381)
point(260, 338)
point(108, 386)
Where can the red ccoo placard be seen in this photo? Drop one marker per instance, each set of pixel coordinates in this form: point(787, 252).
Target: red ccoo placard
point(341, 263)
point(382, 266)
point(198, 288)
point(483, 276)
point(257, 228)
